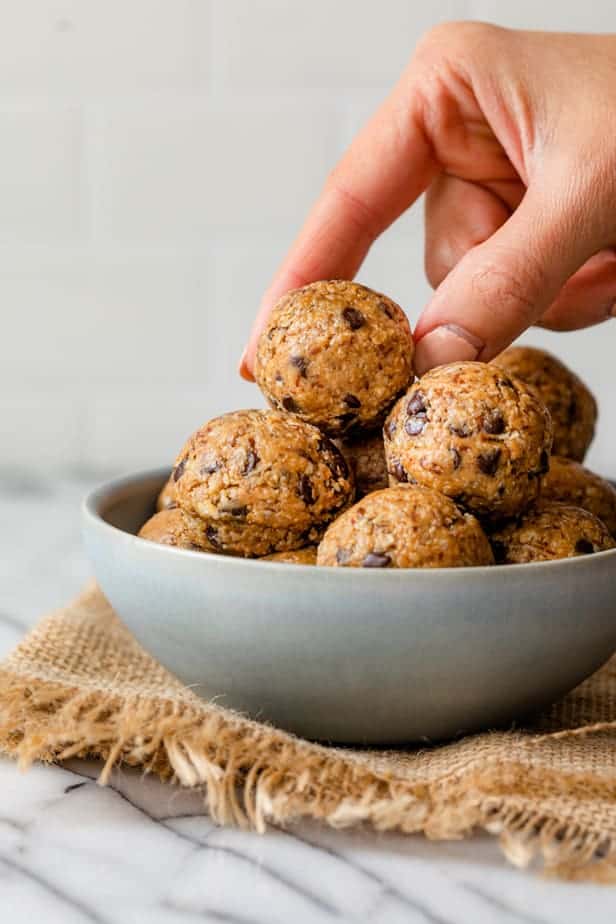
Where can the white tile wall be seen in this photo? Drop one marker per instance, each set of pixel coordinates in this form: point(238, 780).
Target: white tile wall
point(156, 158)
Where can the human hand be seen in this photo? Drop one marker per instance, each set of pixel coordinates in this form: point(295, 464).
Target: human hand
point(512, 135)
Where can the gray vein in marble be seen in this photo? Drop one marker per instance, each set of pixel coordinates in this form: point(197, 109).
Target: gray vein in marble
point(76, 904)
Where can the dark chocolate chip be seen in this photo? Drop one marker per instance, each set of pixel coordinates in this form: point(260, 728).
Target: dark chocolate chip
point(353, 317)
point(417, 405)
point(352, 401)
point(239, 511)
point(305, 490)
point(500, 551)
point(487, 462)
point(390, 429)
point(289, 404)
point(376, 560)
point(279, 378)
point(333, 459)
point(301, 364)
point(387, 309)
point(399, 473)
point(252, 460)
point(584, 547)
point(544, 462)
point(342, 556)
point(415, 425)
point(212, 537)
point(178, 471)
point(572, 410)
point(456, 458)
point(493, 422)
point(461, 429)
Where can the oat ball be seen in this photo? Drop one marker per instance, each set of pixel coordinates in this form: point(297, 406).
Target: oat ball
point(550, 531)
point(167, 527)
point(571, 404)
point(336, 354)
point(474, 433)
point(365, 455)
point(255, 482)
point(405, 527)
point(166, 498)
point(305, 556)
point(569, 482)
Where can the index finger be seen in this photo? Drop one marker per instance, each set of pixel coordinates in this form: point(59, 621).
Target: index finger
point(386, 168)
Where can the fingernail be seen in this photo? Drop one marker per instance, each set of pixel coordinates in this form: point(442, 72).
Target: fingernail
point(243, 369)
point(446, 344)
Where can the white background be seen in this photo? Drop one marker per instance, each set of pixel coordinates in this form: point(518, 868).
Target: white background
point(156, 159)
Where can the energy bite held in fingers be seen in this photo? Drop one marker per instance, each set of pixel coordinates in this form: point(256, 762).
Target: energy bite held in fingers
point(474, 433)
point(405, 527)
point(256, 482)
point(569, 482)
point(336, 354)
point(572, 406)
point(550, 531)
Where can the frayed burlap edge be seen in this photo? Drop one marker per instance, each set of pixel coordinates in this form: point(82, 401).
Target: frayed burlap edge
point(256, 778)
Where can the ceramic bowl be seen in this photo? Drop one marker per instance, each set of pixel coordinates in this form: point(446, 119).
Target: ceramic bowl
point(352, 655)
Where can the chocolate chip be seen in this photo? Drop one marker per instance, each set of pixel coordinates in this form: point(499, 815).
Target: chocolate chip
point(301, 364)
point(487, 462)
point(456, 458)
point(353, 317)
point(493, 422)
point(279, 378)
point(460, 429)
point(209, 467)
point(252, 460)
point(390, 429)
point(500, 551)
point(544, 462)
point(236, 510)
point(417, 405)
point(398, 472)
point(584, 547)
point(572, 410)
point(289, 404)
point(212, 537)
point(342, 556)
point(415, 425)
point(352, 401)
point(387, 309)
point(376, 560)
point(305, 490)
point(333, 459)
point(178, 471)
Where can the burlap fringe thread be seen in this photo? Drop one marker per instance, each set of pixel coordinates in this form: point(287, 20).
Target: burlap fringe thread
point(255, 780)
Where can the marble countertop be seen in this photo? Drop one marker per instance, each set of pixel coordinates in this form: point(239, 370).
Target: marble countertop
point(140, 852)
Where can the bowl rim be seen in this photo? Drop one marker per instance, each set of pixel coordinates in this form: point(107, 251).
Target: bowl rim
point(90, 511)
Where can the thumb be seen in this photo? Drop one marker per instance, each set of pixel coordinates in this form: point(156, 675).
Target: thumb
point(502, 286)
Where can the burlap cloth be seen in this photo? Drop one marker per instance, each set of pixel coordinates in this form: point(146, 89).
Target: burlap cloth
point(79, 684)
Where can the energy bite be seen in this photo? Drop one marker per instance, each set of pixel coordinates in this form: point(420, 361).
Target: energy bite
point(167, 527)
point(472, 432)
point(166, 499)
point(550, 531)
point(569, 482)
point(570, 403)
point(256, 482)
point(366, 458)
point(336, 354)
point(305, 556)
point(405, 527)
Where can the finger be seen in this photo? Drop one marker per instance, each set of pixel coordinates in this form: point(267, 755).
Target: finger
point(587, 298)
point(504, 285)
point(459, 215)
point(386, 168)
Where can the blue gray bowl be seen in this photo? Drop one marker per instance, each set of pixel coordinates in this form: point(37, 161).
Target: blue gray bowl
point(352, 655)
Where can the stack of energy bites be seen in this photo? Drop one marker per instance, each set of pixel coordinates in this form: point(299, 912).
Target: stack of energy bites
point(358, 464)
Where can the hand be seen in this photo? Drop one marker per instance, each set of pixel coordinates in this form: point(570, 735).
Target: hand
point(513, 136)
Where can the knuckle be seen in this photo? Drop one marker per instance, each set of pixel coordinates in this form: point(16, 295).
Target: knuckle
point(511, 292)
point(454, 36)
